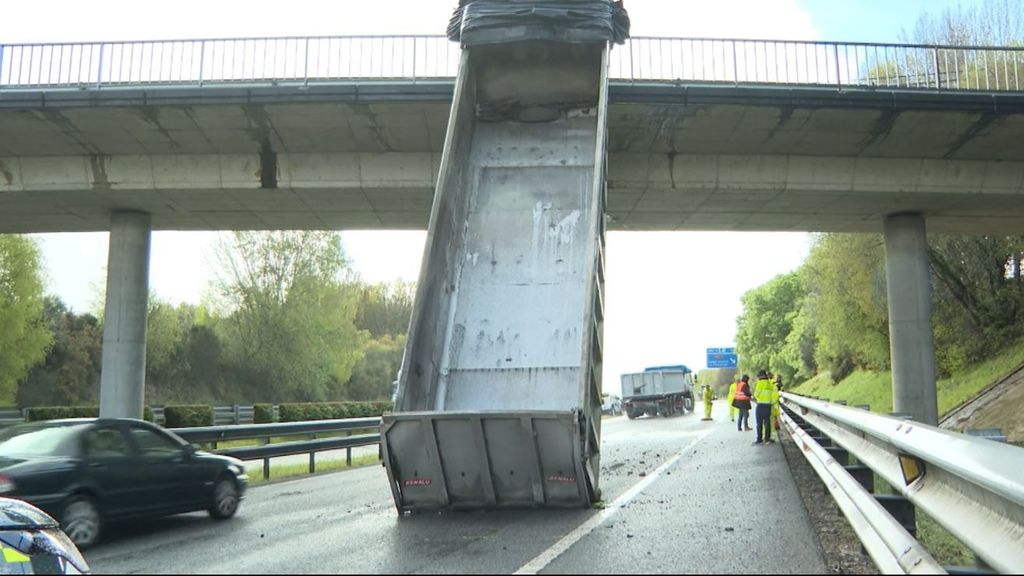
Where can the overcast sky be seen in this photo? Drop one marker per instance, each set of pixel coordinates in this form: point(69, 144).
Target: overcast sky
point(669, 296)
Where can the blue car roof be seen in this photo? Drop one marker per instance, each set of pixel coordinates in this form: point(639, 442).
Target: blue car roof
point(676, 368)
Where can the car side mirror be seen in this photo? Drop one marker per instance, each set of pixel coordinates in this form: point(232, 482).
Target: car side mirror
point(190, 450)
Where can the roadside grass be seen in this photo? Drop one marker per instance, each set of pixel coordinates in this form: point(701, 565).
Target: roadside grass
point(278, 472)
point(875, 388)
point(861, 387)
point(964, 386)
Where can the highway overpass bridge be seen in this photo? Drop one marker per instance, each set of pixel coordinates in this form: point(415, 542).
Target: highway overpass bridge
point(346, 133)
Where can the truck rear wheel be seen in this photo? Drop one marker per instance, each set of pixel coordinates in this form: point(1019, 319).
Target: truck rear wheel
point(688, 403)
point(631, 415)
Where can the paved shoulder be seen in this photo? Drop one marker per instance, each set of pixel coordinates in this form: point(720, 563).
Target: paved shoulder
point(724, 507)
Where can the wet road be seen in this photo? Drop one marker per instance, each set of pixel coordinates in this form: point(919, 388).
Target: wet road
point(680, 496)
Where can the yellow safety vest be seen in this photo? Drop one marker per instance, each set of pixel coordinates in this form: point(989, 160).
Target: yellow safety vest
point(732, 392)
point(765, 391)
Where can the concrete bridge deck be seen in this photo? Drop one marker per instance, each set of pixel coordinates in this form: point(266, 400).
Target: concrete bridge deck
point(364, 155)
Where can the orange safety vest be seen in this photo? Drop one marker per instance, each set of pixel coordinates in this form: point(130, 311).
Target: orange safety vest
point(740, 394)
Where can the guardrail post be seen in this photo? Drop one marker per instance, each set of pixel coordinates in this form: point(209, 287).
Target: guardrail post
point(901, 509)
point(266, 461)
point(312, 462)
point(938, 72)
point(839, 455)
point(864, 475)
point(237, 414)
point(821, 439)
point(348, 452)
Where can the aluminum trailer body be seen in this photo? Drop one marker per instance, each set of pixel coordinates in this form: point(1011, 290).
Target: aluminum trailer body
point(664, 392)
point(499, 395)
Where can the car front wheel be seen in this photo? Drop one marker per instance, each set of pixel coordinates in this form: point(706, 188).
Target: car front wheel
point(225, 498)
point(81, 521)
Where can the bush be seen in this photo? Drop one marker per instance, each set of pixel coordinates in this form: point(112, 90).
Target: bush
point(188, 415)
point(307, 411)
point(40, 413)
point(262, 413)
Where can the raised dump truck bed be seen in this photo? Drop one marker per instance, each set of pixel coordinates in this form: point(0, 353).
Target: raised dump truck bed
point(499, 396)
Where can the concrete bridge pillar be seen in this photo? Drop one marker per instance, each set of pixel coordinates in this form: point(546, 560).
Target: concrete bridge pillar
point(910, 317)
point(122, 383)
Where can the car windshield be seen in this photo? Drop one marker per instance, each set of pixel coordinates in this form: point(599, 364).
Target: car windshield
point(35, 440)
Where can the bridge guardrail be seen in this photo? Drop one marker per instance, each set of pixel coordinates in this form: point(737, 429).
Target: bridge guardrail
point(971, 486)
point(305, 60)
point(264, 432)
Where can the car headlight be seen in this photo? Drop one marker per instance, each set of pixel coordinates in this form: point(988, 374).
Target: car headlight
point(6, 485)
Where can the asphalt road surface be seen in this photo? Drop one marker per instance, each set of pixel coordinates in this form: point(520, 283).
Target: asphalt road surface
point(680, 495)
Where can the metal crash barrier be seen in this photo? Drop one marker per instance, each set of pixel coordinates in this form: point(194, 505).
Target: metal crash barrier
point(973, 487)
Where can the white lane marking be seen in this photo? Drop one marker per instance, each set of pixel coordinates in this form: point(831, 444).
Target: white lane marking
point(548, 556)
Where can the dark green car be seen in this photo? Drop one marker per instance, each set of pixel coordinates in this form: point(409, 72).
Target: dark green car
point(86, 472)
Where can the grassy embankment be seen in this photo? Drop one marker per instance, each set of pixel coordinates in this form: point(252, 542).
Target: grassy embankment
point(875, 390)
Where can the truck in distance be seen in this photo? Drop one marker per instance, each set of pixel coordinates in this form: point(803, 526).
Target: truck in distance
point(658, 390)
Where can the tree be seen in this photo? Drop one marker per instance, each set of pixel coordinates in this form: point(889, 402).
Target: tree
point(989, 23)
point(291, 314)
point(384, 309)
point(766, 322)
point(166, 327)
point(848, 303)
point(25, 338)
point(70, 373)
point(372, 376)
point(979, 296)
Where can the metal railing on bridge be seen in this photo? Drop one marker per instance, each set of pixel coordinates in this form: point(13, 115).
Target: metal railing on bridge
point(305, 60)
point(972, 486)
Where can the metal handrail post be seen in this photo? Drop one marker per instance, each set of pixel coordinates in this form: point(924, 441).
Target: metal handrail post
point(99, 67)
point(839, 75)
point(202, 59)
point(305, 67)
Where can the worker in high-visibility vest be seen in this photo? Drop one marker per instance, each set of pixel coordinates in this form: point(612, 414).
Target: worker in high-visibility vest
point(729, 399)
point(741, 401)
point(765, 394)
point(708, 395)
